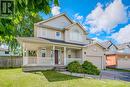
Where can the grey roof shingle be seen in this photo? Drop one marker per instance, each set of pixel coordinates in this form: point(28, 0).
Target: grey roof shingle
point(123, 46)
point(62, 41)
point(106, 44)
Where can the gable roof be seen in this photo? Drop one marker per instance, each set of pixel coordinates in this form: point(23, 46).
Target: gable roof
point(108, 44)
point(68, 27)
point(123, 46)
point(3, 49)
point(62, 29)
point(54, 17)
point(97, 44)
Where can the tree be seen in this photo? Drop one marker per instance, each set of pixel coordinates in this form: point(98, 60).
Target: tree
point(21, 23)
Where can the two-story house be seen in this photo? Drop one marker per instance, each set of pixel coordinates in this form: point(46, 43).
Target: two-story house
point(57, 42)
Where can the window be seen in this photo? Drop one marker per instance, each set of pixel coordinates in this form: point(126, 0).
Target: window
point(69, 56)
point(32, 53)
point(58, 35)
point(76, 35)
point(6, 52)
point(43, 53)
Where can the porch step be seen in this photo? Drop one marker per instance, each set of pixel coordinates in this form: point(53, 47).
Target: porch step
point(60, 68)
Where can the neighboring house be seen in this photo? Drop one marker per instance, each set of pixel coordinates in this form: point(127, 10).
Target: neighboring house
point(118, 60)
point(117, 56)
point(4, 51)
point(109, 46)
point(57, 42)
point(124, 48)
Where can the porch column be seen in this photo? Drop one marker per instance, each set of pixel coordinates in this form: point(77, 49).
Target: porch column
point(83, 55)
point(53, 60)
point(65, 58)
point(25, 54)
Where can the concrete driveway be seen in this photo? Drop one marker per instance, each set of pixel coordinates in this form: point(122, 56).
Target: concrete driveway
point(115, 75)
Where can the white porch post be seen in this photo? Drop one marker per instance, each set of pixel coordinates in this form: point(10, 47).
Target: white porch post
point(83, 55)
point(25, 58)
point(65, 58)
point(53, 60)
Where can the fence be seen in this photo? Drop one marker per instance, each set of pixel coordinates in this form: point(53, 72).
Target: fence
point(10, 61)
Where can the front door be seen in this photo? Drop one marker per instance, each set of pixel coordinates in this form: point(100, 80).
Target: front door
point(56, 56)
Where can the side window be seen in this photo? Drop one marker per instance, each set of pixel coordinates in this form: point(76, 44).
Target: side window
point(6, 52)
point(58, 35)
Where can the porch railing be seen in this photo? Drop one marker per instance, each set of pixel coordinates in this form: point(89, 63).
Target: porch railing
point(46, 60)
point(38, 60)
point(74, 59)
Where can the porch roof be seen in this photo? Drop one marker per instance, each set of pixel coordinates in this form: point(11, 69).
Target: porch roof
point(62, 41)
point(46, 40)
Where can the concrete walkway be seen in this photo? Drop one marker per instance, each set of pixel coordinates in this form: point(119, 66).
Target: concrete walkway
point(105, 74)
point(116, 75)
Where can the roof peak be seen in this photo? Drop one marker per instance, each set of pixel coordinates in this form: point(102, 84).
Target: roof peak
point(53, 17)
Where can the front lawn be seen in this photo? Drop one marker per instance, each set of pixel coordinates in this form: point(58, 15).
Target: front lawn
point(17, 78)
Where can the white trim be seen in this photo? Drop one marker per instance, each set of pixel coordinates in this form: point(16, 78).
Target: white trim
point(65, 58)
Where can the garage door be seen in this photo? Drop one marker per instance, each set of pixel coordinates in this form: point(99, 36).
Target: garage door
point(96, 60)
point(123, 63)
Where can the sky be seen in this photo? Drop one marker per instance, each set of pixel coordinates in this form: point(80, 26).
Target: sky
point(103, 19)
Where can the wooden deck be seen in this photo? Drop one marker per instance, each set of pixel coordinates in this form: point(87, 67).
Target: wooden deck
point(29, 68)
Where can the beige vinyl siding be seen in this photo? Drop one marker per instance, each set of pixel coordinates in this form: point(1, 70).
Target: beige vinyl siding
point(95, 54)
point(123, 63)
point(59, 22)
point(48, 33)
point(68, 34)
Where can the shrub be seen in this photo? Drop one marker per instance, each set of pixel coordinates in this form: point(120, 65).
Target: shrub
point(89, 68)
point(75, 67)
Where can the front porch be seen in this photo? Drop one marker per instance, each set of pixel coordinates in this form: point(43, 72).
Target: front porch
point(35, 54)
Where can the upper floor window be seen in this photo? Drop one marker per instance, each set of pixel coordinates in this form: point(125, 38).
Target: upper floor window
point(76, 35)
point(58, 35)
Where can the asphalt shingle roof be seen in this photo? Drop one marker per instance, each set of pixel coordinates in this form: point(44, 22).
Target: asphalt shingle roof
point(61, 41)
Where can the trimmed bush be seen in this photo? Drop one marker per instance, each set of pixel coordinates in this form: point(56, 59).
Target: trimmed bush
point(75, 67)
point(89, 68)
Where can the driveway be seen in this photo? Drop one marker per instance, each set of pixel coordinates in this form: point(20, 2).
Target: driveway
point(115, 75)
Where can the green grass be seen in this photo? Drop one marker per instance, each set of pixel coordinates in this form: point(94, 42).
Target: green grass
point(17, 78)
point(53, 76)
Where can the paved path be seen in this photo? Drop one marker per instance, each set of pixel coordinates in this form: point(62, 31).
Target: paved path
point(116, 75)
point(105, 74)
